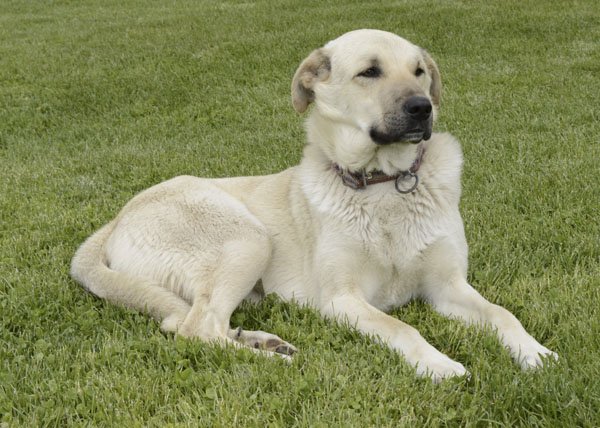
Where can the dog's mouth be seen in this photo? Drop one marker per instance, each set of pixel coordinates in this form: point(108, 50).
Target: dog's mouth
point(415, 135)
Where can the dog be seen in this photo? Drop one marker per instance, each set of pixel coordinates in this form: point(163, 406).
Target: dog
point(366, 222)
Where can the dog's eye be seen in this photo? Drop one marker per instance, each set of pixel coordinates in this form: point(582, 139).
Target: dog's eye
point(419, 71)
point(371, 72)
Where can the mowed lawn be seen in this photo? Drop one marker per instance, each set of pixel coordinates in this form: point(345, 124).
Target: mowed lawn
point(101, 99)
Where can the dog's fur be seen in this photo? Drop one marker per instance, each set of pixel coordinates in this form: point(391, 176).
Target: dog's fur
point(189, 250)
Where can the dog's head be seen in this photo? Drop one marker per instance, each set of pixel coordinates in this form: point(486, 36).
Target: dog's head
point(375, 87)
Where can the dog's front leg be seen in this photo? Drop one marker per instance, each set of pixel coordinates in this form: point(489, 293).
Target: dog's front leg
point(394, 333)
point(446, 288)
point(456, 298)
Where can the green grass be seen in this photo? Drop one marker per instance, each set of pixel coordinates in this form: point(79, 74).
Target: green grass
point(99, 100)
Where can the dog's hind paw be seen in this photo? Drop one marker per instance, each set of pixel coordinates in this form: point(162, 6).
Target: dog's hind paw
point(281, 347)
point(263, 341)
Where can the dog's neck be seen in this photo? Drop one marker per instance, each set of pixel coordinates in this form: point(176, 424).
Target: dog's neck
point(405, 181)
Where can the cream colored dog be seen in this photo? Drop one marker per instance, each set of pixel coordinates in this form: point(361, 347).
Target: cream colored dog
point(366, 222)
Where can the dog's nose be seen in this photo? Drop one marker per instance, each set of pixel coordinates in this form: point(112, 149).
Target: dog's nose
point(418, 108)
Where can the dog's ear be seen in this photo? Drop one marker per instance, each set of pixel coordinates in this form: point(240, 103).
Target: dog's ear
point(435, 89)
point(315, 68)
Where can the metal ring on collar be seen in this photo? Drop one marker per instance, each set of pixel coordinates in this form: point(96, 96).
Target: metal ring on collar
point(402, 177)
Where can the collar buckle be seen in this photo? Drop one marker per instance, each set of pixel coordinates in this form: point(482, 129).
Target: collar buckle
point(351, 181)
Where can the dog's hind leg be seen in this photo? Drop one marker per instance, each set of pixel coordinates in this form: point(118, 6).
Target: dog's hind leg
point(187, 253)
point(219, 289)
point(240, 265)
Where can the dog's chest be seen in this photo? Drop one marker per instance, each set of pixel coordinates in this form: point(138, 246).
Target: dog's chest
point(394, 232)
point(391, 229)
point(397, 227)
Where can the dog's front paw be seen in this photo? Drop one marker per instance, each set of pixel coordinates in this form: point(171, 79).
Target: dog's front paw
point(439, 367)
point(533, 356)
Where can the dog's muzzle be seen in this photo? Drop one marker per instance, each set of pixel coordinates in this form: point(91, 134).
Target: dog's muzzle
point(411, 125)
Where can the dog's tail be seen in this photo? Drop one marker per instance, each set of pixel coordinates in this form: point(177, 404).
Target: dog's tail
point(91, 269)
point(89, 266)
